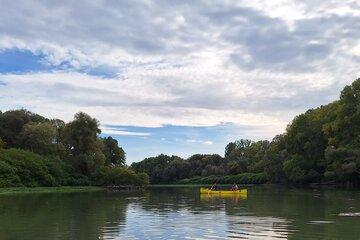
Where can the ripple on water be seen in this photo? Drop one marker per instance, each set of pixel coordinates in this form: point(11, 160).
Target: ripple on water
point(189, 224)
point(257, 227)
point(321, 222)
point(350, 214)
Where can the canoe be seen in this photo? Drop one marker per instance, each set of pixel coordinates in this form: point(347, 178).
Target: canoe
point(223, 192)
point(232, 197)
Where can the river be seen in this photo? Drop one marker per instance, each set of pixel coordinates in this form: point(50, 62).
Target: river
point(269, 212)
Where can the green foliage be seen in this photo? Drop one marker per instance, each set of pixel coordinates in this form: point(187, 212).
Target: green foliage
point(346, 127)
point(300, 170)
point(343, 164)
point(2, 144)
point(274, 160)
point(161, 169)
point(244, 178)
point(39, 138)
point(113, 153)
point(55, 153)
point(83, 144)
point(12, 122)
point(23, 168)
point(80, 135)
point(121, 176)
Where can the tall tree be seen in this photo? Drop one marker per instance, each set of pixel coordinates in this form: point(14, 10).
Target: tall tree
point(113, 153)
point(39, 138)
point(80, 137)
point(12, 122)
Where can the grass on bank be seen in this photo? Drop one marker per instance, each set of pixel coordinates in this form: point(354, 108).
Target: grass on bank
point(21, 190)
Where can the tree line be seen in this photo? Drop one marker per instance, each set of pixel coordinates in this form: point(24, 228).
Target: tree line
point(37, 151)
point(321, 145)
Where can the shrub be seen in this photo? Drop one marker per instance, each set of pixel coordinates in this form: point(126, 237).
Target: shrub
point(244, 178)
point(120, 176)
point(24, 168)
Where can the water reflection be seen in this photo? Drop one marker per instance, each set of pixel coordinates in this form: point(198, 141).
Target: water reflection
point(182, 213)
point(60, 216)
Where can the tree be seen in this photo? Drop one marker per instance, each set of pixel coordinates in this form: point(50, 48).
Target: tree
point(59, 125)
point(343, 164)
point(275, 157)
point(113, 153)
point(2, 144)
point(80, 137)
point(158, 168)
point(39, 138)
point(229, 148)
point(12, 122)
point(237, 148)
point(347, 123)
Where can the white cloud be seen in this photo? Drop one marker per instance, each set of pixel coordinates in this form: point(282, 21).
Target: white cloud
point(208, 142)
point(205, 142)
point(252, 63)
point(120, 132)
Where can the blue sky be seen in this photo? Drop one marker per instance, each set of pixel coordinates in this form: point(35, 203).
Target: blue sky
point(177, 77)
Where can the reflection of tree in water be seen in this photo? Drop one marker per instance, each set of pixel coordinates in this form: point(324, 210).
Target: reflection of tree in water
point(295, 213)
point(162, 200)
point(273, 211)
point(65, 216)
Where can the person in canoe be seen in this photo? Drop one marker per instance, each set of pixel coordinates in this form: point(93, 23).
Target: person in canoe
point(214, 187)
point(234, 187)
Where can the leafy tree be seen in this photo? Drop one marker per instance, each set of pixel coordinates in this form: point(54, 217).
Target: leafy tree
point(39, 138)
point(155, 167)
point(23, 168)
point(12, 122)
point(347, 123)
point(59, 125)
point(2, 144)
point(80, 135)
point(237, 148)
point(343, 164)
point(275, 157)
point(229, 148)
point(80, 163)
point(113, 153)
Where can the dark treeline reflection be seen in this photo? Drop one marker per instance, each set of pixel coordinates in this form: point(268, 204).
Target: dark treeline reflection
point(60, 216)
point(176, 213)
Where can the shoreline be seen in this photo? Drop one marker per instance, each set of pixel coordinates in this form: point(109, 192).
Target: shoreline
point(74, 189)
point(63, 189)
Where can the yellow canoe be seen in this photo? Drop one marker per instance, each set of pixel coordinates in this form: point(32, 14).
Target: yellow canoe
point(233, 197)
point(223, 192)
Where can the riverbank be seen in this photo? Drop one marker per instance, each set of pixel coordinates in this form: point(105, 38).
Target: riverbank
point(22, 190)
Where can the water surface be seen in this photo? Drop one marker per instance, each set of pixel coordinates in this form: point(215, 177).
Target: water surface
point(181, 213)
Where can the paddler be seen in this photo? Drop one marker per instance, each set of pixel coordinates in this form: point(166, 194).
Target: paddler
point(234, 187)
point(214, 187)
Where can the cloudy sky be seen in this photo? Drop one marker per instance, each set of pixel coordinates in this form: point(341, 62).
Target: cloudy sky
point(177, 77)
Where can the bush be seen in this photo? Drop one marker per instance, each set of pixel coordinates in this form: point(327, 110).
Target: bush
point(76, 180)
point(244, 178)
point(124, 176)
point(23, 168)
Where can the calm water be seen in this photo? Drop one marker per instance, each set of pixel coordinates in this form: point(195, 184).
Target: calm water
point(181, 213)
